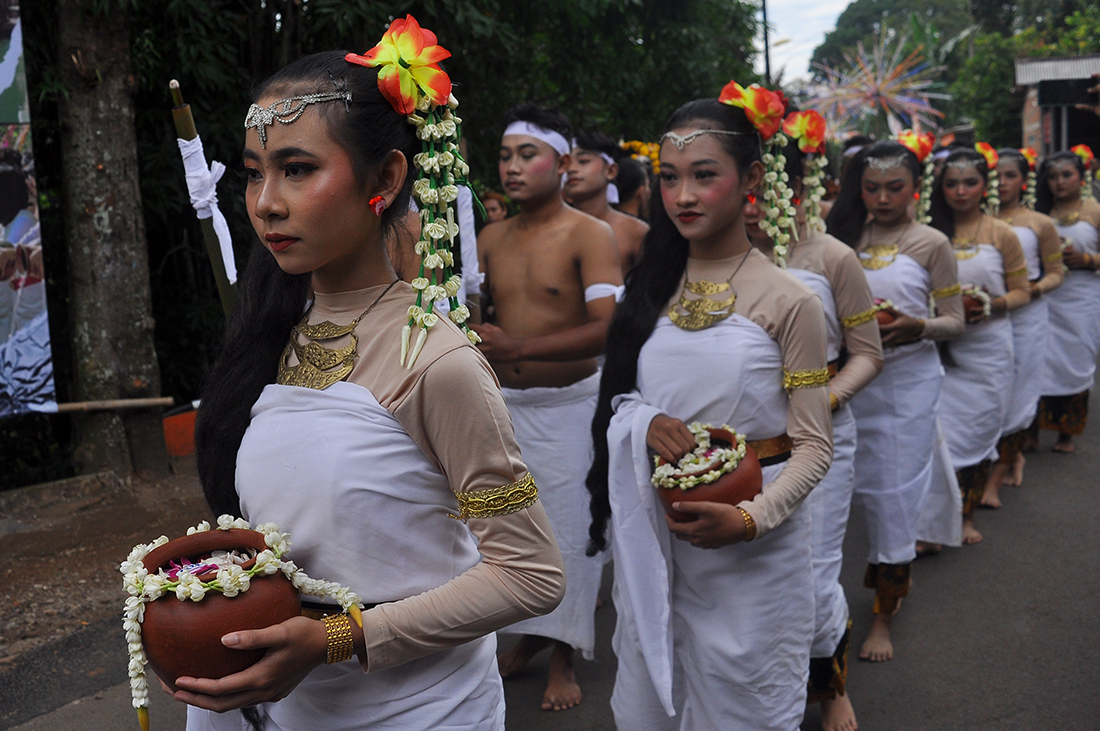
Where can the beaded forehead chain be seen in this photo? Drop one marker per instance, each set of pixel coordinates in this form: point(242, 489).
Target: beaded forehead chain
point(964, 163)
point(287, 111)
point(886, 163)
point(682, 141)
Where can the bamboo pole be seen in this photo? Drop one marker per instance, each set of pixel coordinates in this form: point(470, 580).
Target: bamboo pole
point(113, 404)
point(185, 130)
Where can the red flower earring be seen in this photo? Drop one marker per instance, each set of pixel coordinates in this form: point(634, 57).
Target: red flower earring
point(750, 198)
point(377, 204)
point(796, 200)
point(916, 196)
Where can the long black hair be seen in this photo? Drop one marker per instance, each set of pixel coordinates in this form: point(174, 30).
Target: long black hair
point(649, 286)
point(1044, 199)
point(943, 217)
point(848, 214)
point(270, 302)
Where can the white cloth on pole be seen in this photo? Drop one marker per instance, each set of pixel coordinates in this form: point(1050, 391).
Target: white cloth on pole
point(553, 430)
point(202, 183)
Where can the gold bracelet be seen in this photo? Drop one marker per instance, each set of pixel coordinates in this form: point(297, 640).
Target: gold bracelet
point(750, 525)
point(340, 644)
point(834, 402)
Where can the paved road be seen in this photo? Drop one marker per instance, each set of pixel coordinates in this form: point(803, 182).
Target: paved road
point(1004, 635)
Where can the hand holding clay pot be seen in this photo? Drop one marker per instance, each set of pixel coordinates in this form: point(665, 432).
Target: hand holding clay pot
point(744, 482)
point(183, 638)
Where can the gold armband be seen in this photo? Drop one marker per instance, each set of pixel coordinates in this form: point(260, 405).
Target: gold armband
point(496, 501)
point(859, 319)
point(805, 379)
point(340, 644)
point(1053, 258)
point(947, 291)
point(1016, 273)
point(750, 525)
point(834, 402)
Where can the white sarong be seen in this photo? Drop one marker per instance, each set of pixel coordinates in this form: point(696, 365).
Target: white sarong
point(1030, 325)
point(706, 639)
point(554, 432)
point(365, 508)
point(1074, 322)
point(977, 387)
point(895, 422)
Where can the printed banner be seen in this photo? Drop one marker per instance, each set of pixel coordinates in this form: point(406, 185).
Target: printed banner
point(26, 362)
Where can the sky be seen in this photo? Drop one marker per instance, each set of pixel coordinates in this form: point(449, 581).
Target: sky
point(805, 23)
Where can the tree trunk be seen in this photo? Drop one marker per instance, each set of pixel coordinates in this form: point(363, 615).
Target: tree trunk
point(109, 297)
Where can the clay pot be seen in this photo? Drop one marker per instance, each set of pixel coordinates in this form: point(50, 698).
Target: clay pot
point(887, 316)
point(184, 637)
point(743, 483)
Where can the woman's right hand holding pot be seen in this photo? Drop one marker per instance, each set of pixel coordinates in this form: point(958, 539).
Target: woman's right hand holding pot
point(669, 437)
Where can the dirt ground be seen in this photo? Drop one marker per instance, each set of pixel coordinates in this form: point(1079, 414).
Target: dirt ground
point(62, 543)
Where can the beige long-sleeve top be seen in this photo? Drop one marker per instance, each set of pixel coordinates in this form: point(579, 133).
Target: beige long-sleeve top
point(1050, 245)
point(792, 316)
point(450, 404)
point(838, 263)
point(932, 250)
point(1004, 240)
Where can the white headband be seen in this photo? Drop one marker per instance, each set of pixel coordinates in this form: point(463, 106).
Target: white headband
point(612, 189)
point(556, 141)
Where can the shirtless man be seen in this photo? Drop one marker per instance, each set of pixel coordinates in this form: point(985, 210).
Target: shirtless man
point(590, 187)
point(552, 272)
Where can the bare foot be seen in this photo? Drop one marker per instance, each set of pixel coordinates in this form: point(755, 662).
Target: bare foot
point(512, 661)
point(924, 548)
point(991, 497)
point(878, 647)
point(970, 533)
point(1015, 478)
point(837, 714)
point(1064, 444)
point(562, 691)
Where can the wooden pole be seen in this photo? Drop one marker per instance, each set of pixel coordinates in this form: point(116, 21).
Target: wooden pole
point(185, 130)
point(114, 404)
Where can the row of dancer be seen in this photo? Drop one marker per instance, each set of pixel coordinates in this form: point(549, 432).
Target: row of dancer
point(364, 438)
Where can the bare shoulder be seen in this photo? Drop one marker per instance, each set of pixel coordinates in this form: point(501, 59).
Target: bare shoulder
point(493, 233)
point(587, 232)
point(633, 225)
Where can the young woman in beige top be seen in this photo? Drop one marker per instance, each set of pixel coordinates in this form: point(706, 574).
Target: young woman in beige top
point(313, 422)
point(1030, 323)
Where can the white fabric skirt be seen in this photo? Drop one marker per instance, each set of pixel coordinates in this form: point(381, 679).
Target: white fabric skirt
point(830, 503)
point(1030, 325)
point(1074, 335)
point(741, 618)
point(554, 432)
point(895, 423)
point(976, 392)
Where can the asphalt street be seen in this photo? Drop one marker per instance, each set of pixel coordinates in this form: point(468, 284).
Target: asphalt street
point(1004, 635)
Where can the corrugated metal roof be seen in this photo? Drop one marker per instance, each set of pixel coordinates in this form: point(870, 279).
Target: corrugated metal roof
point(1033, 70)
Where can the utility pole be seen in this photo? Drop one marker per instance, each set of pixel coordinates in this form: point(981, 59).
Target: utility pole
point(767, 52)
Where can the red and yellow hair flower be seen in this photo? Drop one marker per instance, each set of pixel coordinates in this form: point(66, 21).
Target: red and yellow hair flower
point(808, 128)
point(763, 108)
point(989, 153)
point(919, 145)
point(408, 59)
point(1030, 155)
point(1084, 152)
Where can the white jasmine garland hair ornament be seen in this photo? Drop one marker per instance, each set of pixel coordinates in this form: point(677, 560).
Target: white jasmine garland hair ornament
point(231, 580)
point(410, 78)
point(704, 464)
point(779, 221)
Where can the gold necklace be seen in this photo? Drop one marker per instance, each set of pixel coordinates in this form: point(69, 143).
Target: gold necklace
point(966, 247)
point(315, 361)
point(701, 313)
point(1070, 218)
point(880, 256)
